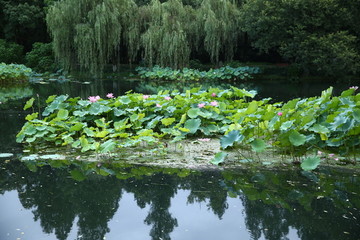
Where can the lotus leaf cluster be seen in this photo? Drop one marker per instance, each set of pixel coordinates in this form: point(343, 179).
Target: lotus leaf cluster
point(13, 74)
point(186, 74)
point(330, 123)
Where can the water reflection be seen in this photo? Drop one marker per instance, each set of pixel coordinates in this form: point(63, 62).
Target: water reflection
point(273, 205)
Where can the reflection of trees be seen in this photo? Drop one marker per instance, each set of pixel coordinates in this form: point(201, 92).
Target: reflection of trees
point(273, 203)
point(206, 186)
point(156, 190)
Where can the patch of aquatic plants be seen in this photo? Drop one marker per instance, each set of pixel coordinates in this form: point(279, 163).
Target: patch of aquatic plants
point(14, 93)
point(59, 76)
point(186, 74)
point(14, 74)
point(300, 126)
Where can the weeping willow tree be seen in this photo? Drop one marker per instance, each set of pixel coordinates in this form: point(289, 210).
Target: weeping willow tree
point(219, 20)
point(92, 33)
point(165, 40)
point(87, 32)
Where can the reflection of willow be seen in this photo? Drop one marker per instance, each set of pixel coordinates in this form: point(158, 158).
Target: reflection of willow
point(207, 186)
point(56, 201)
point(269, 219)
point(156, 190)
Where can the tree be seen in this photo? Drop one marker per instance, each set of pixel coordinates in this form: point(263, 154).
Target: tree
point(312, 34)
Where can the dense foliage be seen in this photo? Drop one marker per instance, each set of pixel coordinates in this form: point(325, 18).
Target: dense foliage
point(296, 127)
point(319, 36)
point(41, 58)
point(10, 52)
point(186, 74)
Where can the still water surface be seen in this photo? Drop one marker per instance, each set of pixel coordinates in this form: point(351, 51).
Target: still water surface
point(48, 200)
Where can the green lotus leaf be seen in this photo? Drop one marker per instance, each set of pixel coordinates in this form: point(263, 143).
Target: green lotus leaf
point(310, 163)
point(78, 175)
point(297, 138)
point(318, 128)
point(258, 145)
point(29, 103)
point(167, 121)
point(286, 125)
point(229, 139)
point(62, 114)
point(107, 146)
point(193, 112)
point(219, 158)
point(32, 116)
point(193, 125)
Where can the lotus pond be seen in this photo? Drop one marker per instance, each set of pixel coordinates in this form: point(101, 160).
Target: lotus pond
point(45, 194)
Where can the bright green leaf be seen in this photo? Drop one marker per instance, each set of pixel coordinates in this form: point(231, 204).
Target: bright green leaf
point(219, 158)
point(310, 163)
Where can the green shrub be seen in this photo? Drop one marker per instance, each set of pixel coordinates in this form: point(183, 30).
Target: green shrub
point(10, 52)
point(41, 58)
point(14, 74)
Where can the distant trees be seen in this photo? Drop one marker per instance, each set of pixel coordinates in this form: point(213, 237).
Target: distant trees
point(318, 36)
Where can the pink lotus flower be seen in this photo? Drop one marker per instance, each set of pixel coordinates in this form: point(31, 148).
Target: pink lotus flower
point(279, 113)
point(319, 152)
point(331, 155)
point(204, 139)
point(78, 157)
point(201, 105)
point(110, 95)
point(214, 103)
point(354, 87)
point(158, 105)
point(167, 98)
point(146, 97)
point(213, 94)
point(336, 159)
point(94, 98)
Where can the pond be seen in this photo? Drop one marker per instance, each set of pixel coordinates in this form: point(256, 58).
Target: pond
point(51, 200)
point(55, 199)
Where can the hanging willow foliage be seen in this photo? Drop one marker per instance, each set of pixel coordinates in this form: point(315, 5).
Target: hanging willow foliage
point(220, 21)
point(89, 33)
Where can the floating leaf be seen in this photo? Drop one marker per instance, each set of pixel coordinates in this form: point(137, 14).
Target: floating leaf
point(77, 175)
point(258, 145)
point(310, 163)
point(229, 139)
point(6, 155)
point(53, 156)
point(297, 138)
point(219, 158)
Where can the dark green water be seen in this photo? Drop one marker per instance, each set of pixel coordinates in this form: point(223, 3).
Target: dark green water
point(94, 201)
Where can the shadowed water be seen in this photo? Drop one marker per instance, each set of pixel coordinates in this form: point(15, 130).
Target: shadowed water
point(56, 199)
